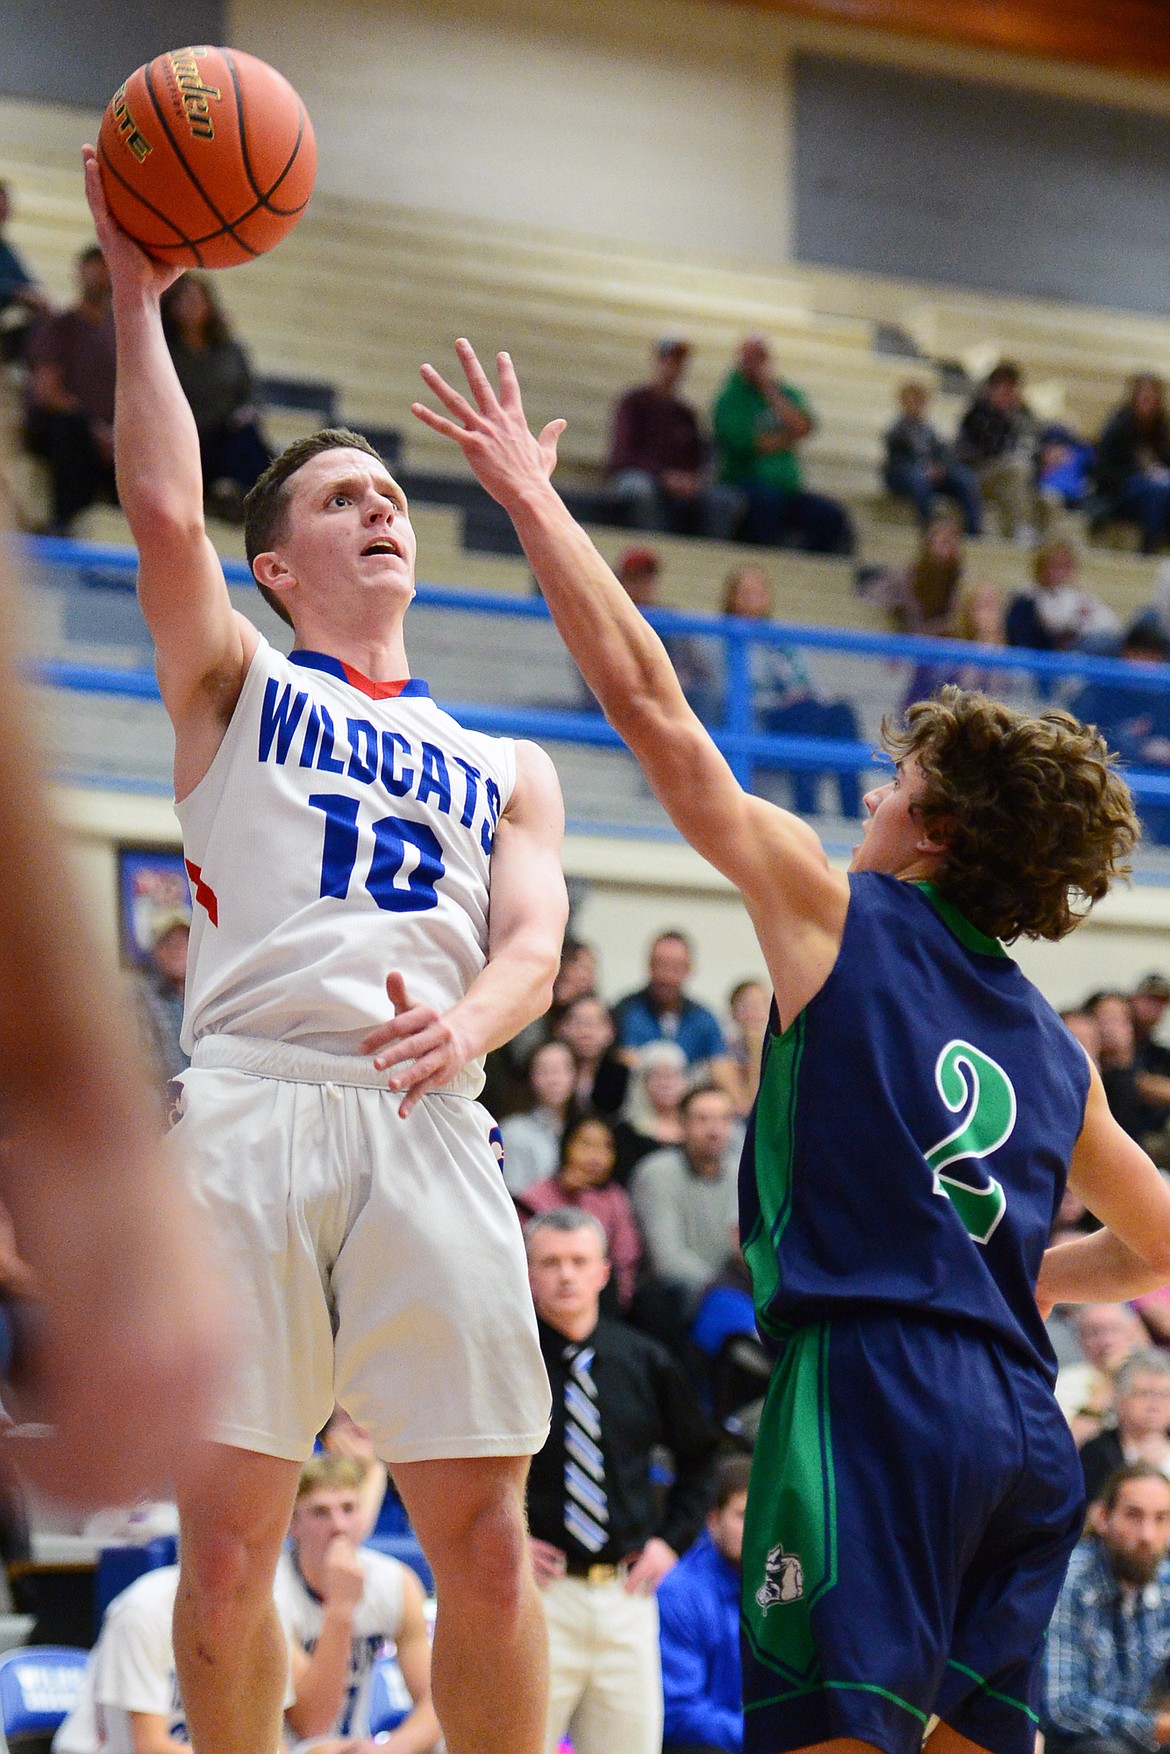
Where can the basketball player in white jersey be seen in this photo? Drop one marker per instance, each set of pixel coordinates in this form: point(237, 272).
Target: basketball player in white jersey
point(340, 833)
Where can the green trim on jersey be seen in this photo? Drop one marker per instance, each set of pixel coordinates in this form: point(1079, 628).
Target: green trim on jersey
point(772, 1153)
point(841, 1687)
point(792, 1512)
point(1003, 1698)
point(960, 925)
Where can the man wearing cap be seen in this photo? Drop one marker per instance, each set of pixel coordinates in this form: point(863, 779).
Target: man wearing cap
point(658, 456)
point(160, 986)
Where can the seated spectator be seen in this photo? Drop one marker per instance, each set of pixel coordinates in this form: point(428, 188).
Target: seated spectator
point(21, 299)
point(1133, 463)
point(341, 1605)
point(658, 457)
point(1065, 467)
point(759, 423)
point(602, 1079)
point(1083, 1027)
point(698, 1613)
point(216, 376)
point(684, 1198)
point(784, 701)
point(1141, 1405)
point(129, 1701)
point(532, 1136)
point(1055, 614)
point(997, 440)
point(661, 1010)
point(1106, 1335)
point(652, 1113)
point(506, 1067)
point(1117, 1059)
point(749, 1005)
point(1110, 1636)
point(159, 989)
point(921, 597)
point(638, 570)
point(69, 410)
point(583, 1180)
point(920, 464)
point(1134, 716)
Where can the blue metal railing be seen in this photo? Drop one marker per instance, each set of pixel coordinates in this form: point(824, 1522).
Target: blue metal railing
point(744, 747)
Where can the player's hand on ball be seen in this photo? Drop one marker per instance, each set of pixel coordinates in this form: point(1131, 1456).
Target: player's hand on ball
point(129, 266)
point(494, 437)
point(418, 1043)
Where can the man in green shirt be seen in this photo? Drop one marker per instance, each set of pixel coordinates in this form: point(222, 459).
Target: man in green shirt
point(758, 424)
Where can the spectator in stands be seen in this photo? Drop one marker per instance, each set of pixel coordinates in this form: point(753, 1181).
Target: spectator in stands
point(159, 989)
point(652, 1113)
point(1134, 715)
point(1133, 463)
point(216, 376)
point(997, 440)
point(1110, 1636)
point(921, 597)
point(1065, 467)
point(784, 701)
point(602, 1078)
point(1109, 1333)
point(1055, 613)
point(532, 1136)
point(1142, 1408)
point(659, 458)
point(920, 464)
point(69, 413)
point(340, 1604)
point(506, 1067)
point(1117, 1059)
point(759, 424)
point(698, 1611)
point(684, 1201)
point(21, 299)
point(1147, 1006)
point(749, 1006)
point(661, 1010)
point(638, 570)
point(1083, 1026)
point(129, 1701)
point(584, 1181)
point(603, 1535)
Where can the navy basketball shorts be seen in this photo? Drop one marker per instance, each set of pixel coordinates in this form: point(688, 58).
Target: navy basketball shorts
point(914, 1500)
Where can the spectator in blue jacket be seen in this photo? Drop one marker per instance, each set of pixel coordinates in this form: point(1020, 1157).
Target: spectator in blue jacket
point(661, 1011)
point(698, 1617)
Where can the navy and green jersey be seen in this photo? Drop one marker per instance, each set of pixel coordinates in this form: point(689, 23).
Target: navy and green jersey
point(910, 1142)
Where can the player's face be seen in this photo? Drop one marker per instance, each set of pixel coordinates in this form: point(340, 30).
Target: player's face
point(1136, 1531)
point(567, 1271)
point(726, 1527)
point(348, 530)
point(894, 840)
point(320, 1516)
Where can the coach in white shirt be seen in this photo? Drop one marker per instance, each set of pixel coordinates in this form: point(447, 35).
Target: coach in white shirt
point(129, 1700)
point(341, 1606)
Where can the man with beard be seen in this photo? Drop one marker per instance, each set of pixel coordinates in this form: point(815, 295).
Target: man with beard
point(1110, 1637)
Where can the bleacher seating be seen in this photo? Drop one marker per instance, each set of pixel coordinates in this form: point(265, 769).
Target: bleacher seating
point(359, 295)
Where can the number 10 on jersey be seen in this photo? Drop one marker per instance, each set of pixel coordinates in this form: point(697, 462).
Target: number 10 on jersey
point(400, 846)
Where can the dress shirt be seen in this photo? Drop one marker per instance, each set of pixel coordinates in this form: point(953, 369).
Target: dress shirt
point(698, 1615)
point(644, 1401)
point(1105, 1648)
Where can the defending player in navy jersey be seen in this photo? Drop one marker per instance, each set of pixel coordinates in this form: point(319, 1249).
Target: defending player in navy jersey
point(378, 901)
point(915, 1491)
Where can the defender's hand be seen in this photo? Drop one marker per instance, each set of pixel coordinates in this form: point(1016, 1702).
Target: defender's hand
point(129, 266)
point(419, 1042)
point(507, 458)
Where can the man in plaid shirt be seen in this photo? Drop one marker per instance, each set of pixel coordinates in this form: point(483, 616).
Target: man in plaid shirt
point(1105, 1668)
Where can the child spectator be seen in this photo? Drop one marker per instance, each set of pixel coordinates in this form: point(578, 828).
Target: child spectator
point(920, 464)
point(1055, 614)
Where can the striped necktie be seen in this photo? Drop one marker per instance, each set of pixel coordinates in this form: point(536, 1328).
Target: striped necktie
point(586, 1506)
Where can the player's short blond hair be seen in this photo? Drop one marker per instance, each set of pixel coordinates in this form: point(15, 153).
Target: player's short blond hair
point(326, 1472)
point(1034, 816)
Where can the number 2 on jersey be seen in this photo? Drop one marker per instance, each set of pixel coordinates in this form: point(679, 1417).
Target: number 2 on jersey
point(964, 1075)
point(393, 835)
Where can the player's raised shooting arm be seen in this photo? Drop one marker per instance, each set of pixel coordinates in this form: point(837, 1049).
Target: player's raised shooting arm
point(773, 857)
point(203, 645)
point(1120, 1186)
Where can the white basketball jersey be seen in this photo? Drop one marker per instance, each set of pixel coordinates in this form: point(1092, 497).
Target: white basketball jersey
point(132, 1668)
point(344, 830)
point(377, 1621)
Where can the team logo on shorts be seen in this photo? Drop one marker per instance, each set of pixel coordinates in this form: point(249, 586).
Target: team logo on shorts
point(496, 1141)
point(783, 1579)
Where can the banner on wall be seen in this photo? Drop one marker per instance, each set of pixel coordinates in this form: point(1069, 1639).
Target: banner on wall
point(152, 890)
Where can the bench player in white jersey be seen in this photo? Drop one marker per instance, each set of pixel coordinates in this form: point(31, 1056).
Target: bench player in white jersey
point(129, 1701)
point(340, 832)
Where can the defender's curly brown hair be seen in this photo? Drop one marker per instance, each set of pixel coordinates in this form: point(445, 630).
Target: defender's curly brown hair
point(1036, 820)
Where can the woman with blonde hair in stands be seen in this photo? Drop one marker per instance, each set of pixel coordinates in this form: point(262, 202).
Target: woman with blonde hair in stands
point(652, 1112)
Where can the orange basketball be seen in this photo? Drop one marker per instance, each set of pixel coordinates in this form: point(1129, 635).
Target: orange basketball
point(207, 157)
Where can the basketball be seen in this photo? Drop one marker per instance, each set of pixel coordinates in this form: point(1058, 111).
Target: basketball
point(207, 157)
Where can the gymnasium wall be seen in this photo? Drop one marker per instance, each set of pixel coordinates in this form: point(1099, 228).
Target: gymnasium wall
point(56, 54)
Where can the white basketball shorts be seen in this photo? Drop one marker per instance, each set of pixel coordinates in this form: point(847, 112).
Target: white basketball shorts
point(373, 1261)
